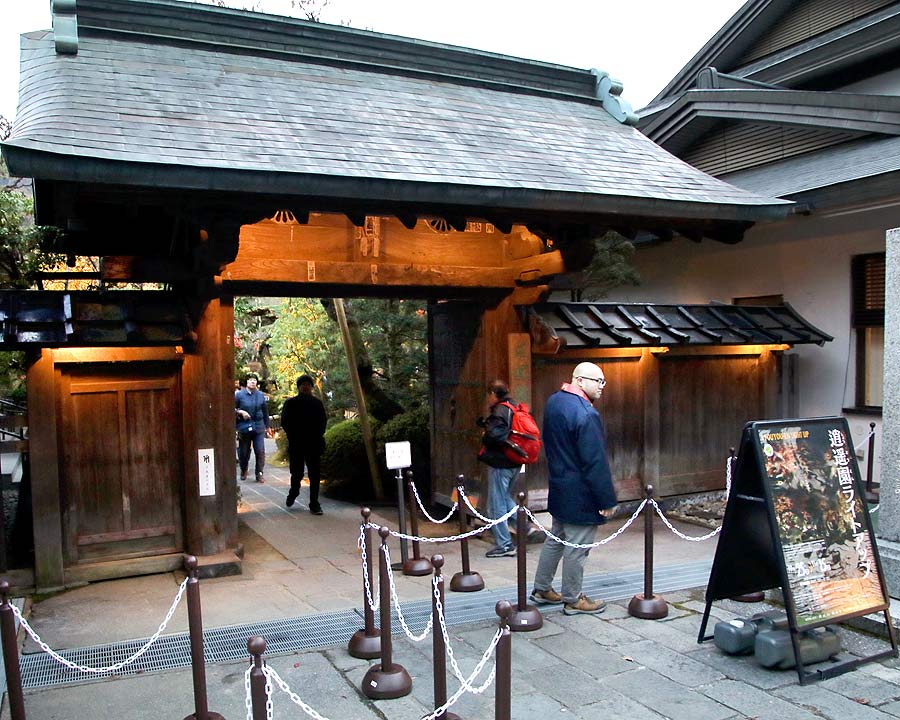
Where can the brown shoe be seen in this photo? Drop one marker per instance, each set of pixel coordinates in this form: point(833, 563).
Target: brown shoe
point(243, 477)
point(584, 605)
point(545, 597)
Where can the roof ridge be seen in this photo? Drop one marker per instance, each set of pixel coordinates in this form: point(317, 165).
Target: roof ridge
point(170, 21)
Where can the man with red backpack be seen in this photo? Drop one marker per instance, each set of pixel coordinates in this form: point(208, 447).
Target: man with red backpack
point(504, 449)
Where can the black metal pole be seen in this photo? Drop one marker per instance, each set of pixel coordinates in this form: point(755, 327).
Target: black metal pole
point(366, 643)
point(195, 627)
point(503, 696)
point(525, 617)
point(401, 519)
point(871, 495)
point(648, 606)
point(256, 646)
point(11, 656)
point(438, 646)
point(465, 580)
point(416, 565)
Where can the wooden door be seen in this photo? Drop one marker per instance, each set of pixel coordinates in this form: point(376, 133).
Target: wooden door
point(121, 447)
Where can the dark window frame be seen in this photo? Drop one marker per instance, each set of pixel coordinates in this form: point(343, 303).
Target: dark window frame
point(867, 280)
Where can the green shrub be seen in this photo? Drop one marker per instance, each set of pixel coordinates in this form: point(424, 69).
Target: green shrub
point(345, 467)
point(414, 426)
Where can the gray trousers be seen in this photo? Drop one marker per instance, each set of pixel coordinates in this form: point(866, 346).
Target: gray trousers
point(573, 559)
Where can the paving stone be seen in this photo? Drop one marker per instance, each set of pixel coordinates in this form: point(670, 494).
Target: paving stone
point(615, 705)
point(673, 665)
point(863, 685)
point(671, 635)
point(892, 708)
point(536, 705)
point(568, 685)
point(320, 685)
point(669, 698)
point(753, 702)
point(718, 611)
point(583, 653)
point(342, 660)
point(743, 668)
point(599, 630)
point(820, 699)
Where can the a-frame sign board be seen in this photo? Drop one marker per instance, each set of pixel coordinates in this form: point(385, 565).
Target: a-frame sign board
point(796, 518)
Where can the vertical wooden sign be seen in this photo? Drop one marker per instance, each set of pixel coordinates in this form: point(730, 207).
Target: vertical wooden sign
point(520, 366)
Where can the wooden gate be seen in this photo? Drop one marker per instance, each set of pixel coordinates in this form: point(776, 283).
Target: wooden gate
point(121, 446)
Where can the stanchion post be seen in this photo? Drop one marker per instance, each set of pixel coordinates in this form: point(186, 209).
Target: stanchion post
point(11, 656)
point(872, 495)
point(648, 605)
point(401, 520)
point(195, 627)
point(387, 679)
point(503, 693)
point(525, 617)
point(465, 580)
point(416, 565)
point(438, 646)
point(256, 646)
point(366, 643)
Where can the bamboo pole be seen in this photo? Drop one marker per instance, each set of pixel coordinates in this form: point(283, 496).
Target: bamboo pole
point(364, 424)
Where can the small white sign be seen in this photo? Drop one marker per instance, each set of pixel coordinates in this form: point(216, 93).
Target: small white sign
point(398, 455)
point(207, 460)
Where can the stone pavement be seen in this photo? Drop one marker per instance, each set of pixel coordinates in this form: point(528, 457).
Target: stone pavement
point(610, 665)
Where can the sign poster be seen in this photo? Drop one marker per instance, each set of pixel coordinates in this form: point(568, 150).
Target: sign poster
point(398, 455)
point(820, 518)
point(206, 458)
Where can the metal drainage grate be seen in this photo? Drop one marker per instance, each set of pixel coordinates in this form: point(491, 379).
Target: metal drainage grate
point(325, 629)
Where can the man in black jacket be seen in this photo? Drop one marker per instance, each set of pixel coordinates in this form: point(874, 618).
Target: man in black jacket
point(303, 421)
point(502, 471)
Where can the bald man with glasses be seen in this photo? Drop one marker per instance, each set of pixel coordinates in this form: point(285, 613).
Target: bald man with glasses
point(581, 495)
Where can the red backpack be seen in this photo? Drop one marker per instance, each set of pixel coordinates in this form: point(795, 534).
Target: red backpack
point(523, 445)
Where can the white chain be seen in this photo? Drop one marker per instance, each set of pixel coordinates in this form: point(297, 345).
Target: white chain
point(248, 699)
point(680, 534)
point(426, 513)
point(373, 602)
point(450, 538)
point(396, 600)
point(453, 664)
point(586, 546)
point(728, 478)
point(112, 668)
point(472, 507)
point(273, 676)
point(865, 439)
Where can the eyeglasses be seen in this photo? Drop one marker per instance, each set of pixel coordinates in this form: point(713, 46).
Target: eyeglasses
point(601, 382)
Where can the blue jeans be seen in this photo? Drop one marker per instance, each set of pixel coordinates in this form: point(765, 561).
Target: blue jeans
point(500, 501)
point(256, 441)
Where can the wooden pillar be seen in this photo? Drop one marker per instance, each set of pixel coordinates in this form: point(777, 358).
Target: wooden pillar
point(208, 401)
point(44, 458)
point(649, 364)
point(496, 325)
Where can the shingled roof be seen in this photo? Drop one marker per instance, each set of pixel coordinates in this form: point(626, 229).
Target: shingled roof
point(161, 93)
point(604, 325)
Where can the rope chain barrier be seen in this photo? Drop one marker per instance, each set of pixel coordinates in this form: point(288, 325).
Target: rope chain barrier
point(449, 538)
point(112, 668)
point(700, 538)
point(465, 684)
point(586, 546)
point(426, 513)
point(373, 602)
point(473, 509)
point(396, 601)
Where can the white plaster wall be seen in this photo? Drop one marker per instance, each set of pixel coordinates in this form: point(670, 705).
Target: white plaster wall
point(807, 260)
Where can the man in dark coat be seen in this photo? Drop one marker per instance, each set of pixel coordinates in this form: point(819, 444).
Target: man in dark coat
point(581, 494)
point(303, 421)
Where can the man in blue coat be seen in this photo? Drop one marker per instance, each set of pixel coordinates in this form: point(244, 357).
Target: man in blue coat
point(581, 494)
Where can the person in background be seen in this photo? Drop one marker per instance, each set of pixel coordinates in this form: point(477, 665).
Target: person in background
point(252, 424)
point(501, 470)
point(303, 421)
point(581, 494)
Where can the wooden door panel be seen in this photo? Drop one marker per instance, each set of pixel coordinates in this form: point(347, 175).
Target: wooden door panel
point(121, 448)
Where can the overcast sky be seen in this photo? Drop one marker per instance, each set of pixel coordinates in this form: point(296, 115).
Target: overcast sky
point(643, 43)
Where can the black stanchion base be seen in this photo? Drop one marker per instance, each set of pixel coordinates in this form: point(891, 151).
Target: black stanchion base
point(526, 620)
point(365, 647)
point(417, 567)
point(466, 582)
point(379, 684)
point(652, 608)
point(750, 597)
point(209, 714)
